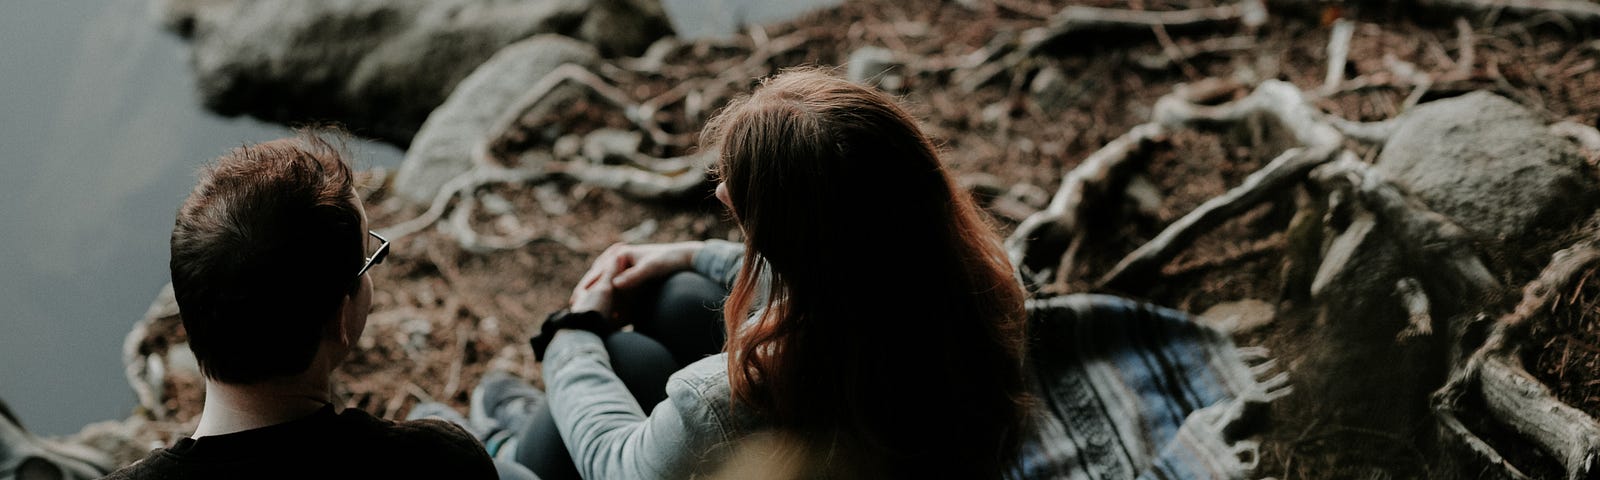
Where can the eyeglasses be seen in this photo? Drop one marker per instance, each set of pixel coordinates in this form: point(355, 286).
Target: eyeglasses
point(377, 255)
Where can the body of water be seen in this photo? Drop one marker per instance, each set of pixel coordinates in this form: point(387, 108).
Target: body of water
point(100, 134)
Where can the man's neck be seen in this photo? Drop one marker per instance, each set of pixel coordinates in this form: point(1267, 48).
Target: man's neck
point(231, 408)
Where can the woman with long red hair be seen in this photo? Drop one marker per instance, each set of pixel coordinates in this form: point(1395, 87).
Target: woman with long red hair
point(873, 325)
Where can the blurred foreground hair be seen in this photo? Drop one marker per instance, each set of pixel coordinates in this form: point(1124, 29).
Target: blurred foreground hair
point(893, 341)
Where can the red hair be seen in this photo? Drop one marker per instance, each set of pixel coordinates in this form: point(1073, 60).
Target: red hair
point(893, 338)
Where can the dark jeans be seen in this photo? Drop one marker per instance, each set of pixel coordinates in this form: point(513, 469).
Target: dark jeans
point(674, 325)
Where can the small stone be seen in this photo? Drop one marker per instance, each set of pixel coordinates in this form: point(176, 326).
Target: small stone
point(1238, 317)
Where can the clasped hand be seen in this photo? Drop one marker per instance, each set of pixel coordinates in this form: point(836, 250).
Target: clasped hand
point(622, 267)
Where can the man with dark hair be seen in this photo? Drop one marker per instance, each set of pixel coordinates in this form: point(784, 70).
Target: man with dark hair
point(270, 254)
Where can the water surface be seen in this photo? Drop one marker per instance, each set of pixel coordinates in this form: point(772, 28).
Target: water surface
point(100, 133)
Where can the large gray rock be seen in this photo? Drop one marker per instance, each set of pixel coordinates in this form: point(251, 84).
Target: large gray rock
point(442, 149)
point(378, 66)
point(1490, 164)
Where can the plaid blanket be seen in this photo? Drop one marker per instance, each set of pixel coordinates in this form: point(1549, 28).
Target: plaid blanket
point(1130, 390)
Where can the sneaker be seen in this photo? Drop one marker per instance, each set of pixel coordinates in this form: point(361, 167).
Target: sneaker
point(503, 402)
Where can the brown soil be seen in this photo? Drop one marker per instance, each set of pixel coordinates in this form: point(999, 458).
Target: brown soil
point(444, 316)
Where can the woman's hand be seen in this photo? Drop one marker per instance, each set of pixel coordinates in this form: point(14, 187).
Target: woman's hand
point(631, 265)
point(624, 266)
point(594, 295)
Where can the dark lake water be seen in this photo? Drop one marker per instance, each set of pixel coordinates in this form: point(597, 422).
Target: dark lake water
point(100, 133)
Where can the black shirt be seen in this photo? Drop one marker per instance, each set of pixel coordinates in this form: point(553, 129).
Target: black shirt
point(350, 444)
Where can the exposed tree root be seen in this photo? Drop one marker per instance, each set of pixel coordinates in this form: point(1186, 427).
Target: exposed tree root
point(1079, 20)
point(1422, 232)
point(657, 178)
point(1575, 11)
point(1039, 243)
point(1280, 100)
point(1418, 308)
point(1287, 170)
point(1512, 396)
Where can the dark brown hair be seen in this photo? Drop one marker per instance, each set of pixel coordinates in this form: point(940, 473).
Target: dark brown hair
point(264, 251)
point(894, 336)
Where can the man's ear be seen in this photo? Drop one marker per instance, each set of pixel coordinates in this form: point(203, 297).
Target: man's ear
point(340, 327)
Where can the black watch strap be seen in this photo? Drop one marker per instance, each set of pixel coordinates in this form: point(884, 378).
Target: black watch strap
point(589, 320)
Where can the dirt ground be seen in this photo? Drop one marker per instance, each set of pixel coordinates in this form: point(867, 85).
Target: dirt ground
point(444, 316)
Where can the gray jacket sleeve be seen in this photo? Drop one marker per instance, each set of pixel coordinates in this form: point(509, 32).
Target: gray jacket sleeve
point(606, 431)
point(720, 260)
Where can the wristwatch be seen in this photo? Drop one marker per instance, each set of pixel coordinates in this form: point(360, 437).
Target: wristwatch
point(588, 320)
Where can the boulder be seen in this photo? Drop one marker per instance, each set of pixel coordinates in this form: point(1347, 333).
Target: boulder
point(1491, 165)
point(378, 66)
point(443, 147)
